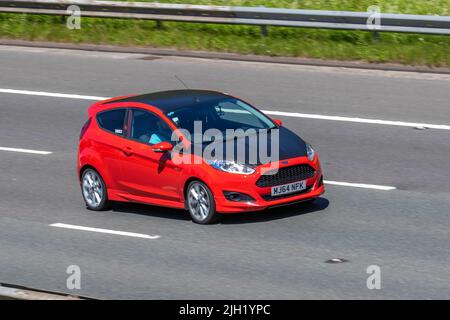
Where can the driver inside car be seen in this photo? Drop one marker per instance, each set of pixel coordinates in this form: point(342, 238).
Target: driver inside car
point(162, 134)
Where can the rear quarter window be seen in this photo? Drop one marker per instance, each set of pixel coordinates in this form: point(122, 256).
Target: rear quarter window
point(112, 120)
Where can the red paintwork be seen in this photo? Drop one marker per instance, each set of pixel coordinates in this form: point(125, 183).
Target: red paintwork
point(134, 172)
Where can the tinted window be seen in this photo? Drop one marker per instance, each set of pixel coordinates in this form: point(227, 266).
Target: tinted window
point(237, 113)
point(149, 128)
point(112, 120)
point(220, 114)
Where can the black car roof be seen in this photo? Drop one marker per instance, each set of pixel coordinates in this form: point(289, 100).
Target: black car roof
point(174, 99)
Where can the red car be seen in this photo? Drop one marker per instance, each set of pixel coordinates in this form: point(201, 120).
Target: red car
point(129, 145)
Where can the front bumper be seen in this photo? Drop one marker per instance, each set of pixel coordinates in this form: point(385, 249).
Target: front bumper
point(261, 195)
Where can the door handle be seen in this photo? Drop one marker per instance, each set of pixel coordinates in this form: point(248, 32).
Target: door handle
point(127, 151)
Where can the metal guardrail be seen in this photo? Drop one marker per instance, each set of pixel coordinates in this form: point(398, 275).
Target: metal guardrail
point(344, 20)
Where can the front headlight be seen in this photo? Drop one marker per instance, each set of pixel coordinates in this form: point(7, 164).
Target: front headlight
point(230, 166)
point(310, 152)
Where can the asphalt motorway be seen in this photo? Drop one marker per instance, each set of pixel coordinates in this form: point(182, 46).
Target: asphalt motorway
point(278, 254)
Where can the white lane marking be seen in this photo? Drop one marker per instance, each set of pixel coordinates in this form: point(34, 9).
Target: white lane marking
point(269, 112)
point(358, 120)
point(120, 233)
point(25, 151)
point(51, 94)
point(360, 185)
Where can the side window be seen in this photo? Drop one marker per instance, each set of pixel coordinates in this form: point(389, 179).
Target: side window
point(149, 128)
point(112, 120)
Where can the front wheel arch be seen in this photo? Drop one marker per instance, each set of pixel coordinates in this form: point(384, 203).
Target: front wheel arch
point(186, 185)
point(213, 215)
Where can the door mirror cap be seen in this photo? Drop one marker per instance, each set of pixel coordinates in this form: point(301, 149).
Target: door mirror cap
point(278, 122)
point(162, 147)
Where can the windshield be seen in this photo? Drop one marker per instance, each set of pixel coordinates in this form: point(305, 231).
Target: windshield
point(220, 114)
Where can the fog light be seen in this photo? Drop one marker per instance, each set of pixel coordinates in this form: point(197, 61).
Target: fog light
point(237, 196)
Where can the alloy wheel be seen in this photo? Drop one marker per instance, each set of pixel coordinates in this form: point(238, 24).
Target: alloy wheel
point(92, 186)
point(199, 201)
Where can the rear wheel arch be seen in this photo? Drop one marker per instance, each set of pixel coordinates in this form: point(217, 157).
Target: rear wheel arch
point(104, 173)
point(94, 186)
point(84, 168)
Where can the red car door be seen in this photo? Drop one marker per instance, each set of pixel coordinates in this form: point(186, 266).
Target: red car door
point(109, 142)
point(149, 176)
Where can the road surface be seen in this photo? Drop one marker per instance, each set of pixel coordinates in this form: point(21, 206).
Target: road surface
point(399, 219)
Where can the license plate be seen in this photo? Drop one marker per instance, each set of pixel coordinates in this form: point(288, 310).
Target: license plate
point(288, 188)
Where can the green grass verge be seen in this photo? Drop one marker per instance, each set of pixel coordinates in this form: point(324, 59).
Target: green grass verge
point(324, 44)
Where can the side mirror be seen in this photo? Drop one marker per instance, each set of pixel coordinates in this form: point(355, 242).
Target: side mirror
point(278, 122)
point(162, 147)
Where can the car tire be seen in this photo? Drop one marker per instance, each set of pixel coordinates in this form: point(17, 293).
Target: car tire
point(94, 190)
point(201, 204)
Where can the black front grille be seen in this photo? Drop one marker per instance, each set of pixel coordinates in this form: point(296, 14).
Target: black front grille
point(269, 197)
point(286, 175)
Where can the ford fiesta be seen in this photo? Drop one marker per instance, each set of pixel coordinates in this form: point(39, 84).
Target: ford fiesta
point(130, 150)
